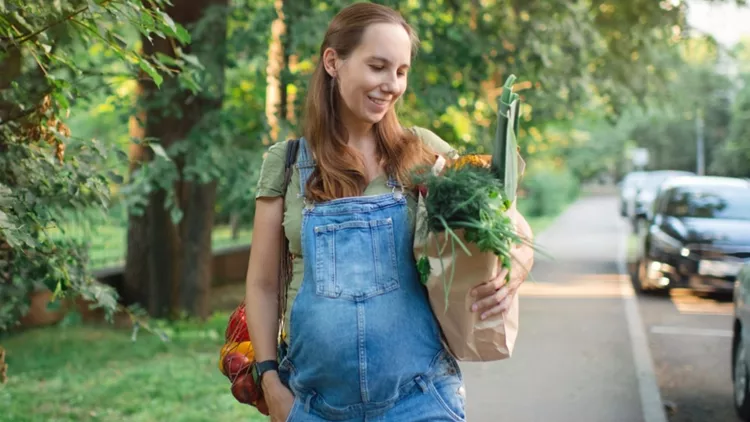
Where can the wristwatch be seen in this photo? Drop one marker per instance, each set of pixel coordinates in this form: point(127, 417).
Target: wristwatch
point(260, 368)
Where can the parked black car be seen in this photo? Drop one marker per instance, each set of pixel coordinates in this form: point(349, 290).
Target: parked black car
point(741, 344)
point(698, 235)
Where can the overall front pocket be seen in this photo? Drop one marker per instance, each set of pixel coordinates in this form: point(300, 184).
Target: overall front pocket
point(356, 259)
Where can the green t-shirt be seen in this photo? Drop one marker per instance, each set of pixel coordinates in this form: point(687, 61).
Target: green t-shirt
point(271, 182)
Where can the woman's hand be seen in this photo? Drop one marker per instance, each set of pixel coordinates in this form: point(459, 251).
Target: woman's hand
point(278, 397)
point(495, 296)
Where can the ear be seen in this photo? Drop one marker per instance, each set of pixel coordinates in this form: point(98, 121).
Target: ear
point(330, 61)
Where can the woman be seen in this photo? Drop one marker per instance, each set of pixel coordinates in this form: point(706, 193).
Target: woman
point(363, 341)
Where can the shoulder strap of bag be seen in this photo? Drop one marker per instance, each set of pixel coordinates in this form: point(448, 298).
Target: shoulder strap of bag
point(285, 264)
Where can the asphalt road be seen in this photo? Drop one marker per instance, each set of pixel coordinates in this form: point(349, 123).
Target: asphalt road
point(690, 341)
point(574, 359)
point(589, 350)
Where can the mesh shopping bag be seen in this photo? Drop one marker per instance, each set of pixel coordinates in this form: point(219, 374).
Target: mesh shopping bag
point(237, 356)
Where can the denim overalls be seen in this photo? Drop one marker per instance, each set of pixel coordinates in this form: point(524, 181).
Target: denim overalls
point(364, 344)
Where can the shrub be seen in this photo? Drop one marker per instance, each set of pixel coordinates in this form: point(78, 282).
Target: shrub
point(547, 190)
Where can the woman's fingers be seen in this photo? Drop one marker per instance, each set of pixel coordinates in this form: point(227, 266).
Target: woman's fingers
point(490, 287)
point(493, 304)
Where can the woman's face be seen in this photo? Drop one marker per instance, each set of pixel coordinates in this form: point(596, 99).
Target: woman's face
point(373, 77)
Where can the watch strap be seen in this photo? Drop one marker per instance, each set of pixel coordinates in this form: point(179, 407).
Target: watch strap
point(260, 368)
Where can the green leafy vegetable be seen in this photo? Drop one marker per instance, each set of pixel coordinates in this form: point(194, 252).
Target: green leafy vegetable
point(468, 198)
point(504, 163)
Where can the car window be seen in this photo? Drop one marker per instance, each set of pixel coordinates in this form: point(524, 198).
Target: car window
point(720, 202)
point(660, 207)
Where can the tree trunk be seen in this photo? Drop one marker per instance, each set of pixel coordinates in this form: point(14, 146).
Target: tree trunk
point(234, 224)
point(275, 89)
point(199, 198)
point(153, 246)
point(136, 276)
point(171, 263)
point(197, 252)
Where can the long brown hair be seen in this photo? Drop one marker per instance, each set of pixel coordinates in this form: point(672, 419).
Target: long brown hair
point(340, 172)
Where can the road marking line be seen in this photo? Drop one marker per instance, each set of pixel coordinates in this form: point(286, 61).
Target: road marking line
point(707, 332)
point(702, 309)
point(651, 402)
point(580, 288)
point(687, 302)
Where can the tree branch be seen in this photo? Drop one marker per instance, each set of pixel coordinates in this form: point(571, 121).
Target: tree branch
point(18, 116)
point(33, 34)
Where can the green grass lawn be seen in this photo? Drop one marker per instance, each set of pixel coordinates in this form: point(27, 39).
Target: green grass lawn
point(82, 373)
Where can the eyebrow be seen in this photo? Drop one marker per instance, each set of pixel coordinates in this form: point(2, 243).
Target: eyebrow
point(383, 59)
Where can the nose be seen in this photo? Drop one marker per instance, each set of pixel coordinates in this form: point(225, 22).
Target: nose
point(390, 85)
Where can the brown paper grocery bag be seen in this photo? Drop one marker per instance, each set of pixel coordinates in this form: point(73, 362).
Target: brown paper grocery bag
point(466, 336)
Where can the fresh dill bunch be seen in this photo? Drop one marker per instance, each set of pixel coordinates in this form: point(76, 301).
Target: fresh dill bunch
point(459, 195)
point(470, 197)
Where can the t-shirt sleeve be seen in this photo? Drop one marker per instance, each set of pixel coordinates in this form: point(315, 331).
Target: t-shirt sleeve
point(435, 142)
point(271, 179)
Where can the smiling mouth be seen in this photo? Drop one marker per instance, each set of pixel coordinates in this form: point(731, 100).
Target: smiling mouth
point(378, 101)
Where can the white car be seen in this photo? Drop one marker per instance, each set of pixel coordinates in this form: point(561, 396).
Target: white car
point(628, 190)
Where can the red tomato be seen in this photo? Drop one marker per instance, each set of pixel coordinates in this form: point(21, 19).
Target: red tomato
point(235, 363)
point(262, 406)
point(245, 390)
point(237, 327)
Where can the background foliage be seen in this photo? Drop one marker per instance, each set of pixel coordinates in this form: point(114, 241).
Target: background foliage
point(132, 131)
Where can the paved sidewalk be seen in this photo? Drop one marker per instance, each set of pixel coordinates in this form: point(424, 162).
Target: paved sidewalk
point(573, 360)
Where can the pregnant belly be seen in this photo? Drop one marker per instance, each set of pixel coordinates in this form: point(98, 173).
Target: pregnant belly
point(352, 349)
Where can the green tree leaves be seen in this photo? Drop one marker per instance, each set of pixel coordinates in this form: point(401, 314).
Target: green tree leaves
point(45, 170)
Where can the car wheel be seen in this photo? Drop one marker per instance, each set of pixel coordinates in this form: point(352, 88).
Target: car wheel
point(740, 380)
point(640, 275)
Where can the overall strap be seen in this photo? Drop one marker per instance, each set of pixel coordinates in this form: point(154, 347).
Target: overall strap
point(305, 164)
